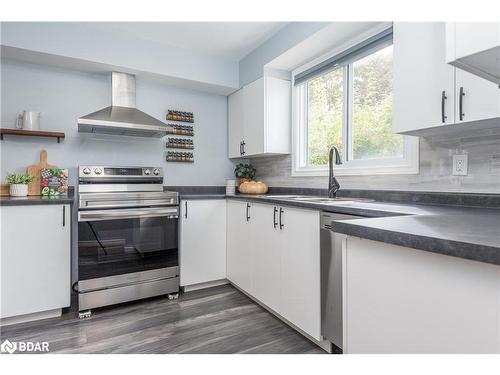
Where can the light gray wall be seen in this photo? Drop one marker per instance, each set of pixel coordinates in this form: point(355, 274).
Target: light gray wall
point(435, 170)
point(82, 41)
point(252, 66)
point(64, 95)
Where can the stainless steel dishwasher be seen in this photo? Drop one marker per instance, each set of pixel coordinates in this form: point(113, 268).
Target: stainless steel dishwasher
point(331, 278)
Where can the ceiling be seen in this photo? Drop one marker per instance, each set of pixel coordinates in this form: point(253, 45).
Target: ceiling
point(228, 40)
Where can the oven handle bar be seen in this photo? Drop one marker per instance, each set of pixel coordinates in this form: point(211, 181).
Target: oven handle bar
point(97, 215)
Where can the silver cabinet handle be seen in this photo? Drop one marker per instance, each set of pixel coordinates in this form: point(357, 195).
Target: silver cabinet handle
point(97, 215)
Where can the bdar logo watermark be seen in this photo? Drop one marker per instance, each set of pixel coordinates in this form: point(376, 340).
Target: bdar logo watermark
point(23, 346)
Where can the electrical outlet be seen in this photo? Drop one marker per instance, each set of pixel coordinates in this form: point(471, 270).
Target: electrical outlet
point(460, 165)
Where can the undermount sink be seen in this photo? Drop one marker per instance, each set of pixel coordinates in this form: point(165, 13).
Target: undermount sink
point(319, 199)
point(286, 196)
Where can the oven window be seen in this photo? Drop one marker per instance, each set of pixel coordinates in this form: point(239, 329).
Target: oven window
point(115, 247)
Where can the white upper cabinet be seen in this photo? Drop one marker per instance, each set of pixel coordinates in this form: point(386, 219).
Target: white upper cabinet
point(254, 133)
point(428, 92)
point(475, 47)
point(259, 118)
point(474, 37)
point(235, 120)
point(202, 242)
point(476, 98)
point(424, 85)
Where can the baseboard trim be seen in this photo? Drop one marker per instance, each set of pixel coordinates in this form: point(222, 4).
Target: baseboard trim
point(208, 284)
point(30, 317)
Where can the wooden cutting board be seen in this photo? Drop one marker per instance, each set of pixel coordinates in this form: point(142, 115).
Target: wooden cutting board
point(4, 190)
point(34, 170)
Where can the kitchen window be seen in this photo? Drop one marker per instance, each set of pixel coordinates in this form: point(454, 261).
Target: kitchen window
point(345, 100)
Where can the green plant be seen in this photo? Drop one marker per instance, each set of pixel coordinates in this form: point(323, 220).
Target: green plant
point(245, 171)
point(21, 178)
point(56, 172)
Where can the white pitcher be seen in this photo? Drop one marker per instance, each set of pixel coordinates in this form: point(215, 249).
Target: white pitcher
point(28, 120)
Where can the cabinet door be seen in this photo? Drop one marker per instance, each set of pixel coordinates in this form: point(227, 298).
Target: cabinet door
point(480, 99)
point(473, 37)
point(36, 259)
point(278, 112)
point(266, 279)
point(300, 269)
point(253, 102)
point(235, 123)
point(421, 75)
point(239, 245)
point(202, 247)
point(405, 301)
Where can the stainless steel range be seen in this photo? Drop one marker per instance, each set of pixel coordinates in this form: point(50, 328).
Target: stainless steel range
point(127, 236)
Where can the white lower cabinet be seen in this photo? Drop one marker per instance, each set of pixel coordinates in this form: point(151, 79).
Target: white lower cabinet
point(239, 245)
point(402, 300)
point(35, 259)
point(202, 244)
point(273, 254)
point(266, 257)
point(300, 269)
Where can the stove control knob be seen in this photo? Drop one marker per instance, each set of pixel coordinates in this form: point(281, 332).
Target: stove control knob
point(97, 170)
point(156, 171)
point(147, 172)
point(86, 170)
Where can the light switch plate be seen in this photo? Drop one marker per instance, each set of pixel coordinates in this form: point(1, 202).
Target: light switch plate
point(460, 165)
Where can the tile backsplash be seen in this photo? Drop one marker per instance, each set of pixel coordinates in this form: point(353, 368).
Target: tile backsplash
point(435, 169)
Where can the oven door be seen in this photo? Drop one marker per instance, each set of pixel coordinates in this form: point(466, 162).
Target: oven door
point(121, 241)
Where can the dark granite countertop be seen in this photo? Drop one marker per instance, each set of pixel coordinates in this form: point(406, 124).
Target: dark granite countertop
point(201, 196)
point(465, 232)
point(36, 200)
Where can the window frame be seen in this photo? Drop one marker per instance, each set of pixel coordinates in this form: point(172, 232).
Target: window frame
point(408, 164)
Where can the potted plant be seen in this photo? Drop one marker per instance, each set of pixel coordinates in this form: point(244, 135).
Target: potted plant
point(244, 172)
point(19, 183)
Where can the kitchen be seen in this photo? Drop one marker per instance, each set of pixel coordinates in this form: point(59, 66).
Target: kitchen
point(297, 187)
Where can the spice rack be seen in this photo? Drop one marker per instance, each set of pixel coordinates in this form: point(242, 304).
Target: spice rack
point(175, 129)
point(180, 116)
point(183, 157)
point(180, 130)
point(180, 143)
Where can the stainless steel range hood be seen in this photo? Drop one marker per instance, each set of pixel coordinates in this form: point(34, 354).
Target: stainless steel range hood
point(122, 118)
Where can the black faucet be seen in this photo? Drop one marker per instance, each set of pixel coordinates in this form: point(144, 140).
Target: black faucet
point(333, 184)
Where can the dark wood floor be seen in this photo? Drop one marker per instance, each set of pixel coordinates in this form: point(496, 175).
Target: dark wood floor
point(215, 320)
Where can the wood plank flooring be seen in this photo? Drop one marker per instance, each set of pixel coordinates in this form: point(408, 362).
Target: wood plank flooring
point(215, 320)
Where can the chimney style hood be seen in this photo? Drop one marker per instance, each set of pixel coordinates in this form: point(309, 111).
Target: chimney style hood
point(122, 118)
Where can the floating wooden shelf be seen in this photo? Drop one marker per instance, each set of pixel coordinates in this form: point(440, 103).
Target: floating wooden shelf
point(31, 133)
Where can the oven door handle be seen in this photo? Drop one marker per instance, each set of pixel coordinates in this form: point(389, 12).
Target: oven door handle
point(97, 215)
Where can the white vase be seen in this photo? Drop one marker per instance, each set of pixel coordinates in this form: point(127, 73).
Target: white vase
point(18, 190)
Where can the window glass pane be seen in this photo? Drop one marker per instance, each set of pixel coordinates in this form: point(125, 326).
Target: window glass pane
point(324, 116)
point(372, 134)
